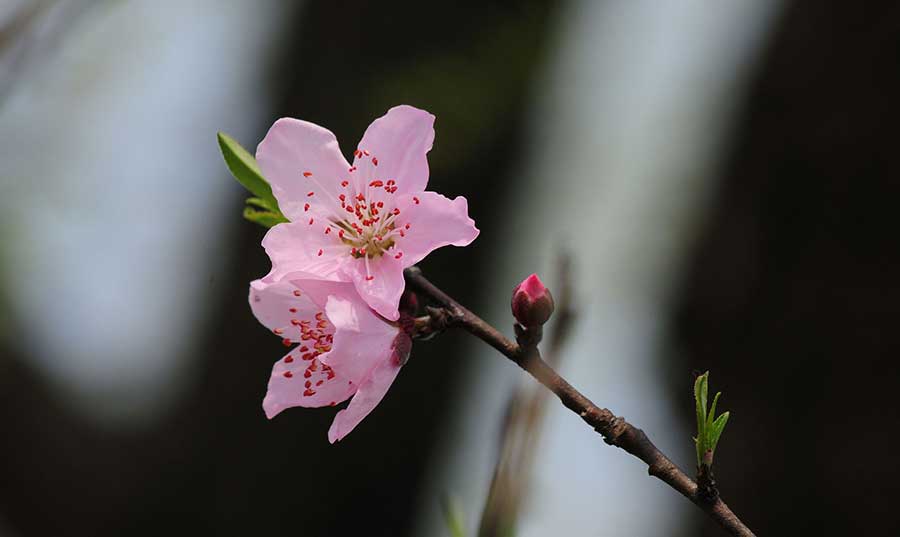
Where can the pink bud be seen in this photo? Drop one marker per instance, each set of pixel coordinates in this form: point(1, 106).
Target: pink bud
point(532, 303)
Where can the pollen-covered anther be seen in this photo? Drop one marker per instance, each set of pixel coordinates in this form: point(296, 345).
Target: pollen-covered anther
point(307, 174)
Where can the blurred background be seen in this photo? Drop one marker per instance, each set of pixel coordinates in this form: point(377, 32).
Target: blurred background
point(721, 177)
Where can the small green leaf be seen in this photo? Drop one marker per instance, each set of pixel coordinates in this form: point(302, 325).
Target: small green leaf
point(266, 219)
point(712, 412)
point(700, 392)
point(716, 430)
point(262, 204)
point(245, 169)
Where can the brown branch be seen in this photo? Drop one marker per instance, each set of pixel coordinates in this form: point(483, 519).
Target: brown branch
point(615, 430)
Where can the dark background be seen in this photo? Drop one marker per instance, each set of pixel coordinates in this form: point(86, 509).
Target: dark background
point(790, 298)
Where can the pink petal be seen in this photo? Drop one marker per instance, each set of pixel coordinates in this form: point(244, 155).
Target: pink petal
point(303, 247)
point(370, 393)
point(434, 221)
point(398, 142)
point(277, 305)
point(362, 340)
point(305, 383)
point(380, 285)
point(298, 157)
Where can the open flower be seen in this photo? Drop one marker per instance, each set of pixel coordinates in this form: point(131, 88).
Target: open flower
point(339, 348)
point(363, 223)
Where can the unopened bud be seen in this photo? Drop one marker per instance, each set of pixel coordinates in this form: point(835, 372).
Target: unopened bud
point(532, 303)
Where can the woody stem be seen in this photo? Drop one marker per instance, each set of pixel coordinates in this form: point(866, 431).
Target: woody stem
point(614, 429)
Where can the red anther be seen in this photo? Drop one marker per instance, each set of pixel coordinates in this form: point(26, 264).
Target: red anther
point(353, 251)
point(345, 183)
point(375, 161)
point(320, 316)
point(295, 322)
point(305, 206)
point(309, 392)
point(288, 374)
point(308, 383)
point(399, 255)
point(402, 233)
point(391, 182)
point(366, 152)
point(360, 197)
point(286, 342)
point(396, 211)
point(376, 183)
point(357, 153)
point(307, 374)
point(406, 226)
point(370, 278)
point(278, 331)
point(349, 209)
point(307, 174)
point(415, 199)
point(307, 357)
point(292, 310)
point(311, 221)
point(341, 233)
point(288, 359)
point(342, 197)
point(320, 252)
point(327, 230)
point(297, 292)
point(319, 383)
point(380, 204)
point(304, 348)
point(310, 194)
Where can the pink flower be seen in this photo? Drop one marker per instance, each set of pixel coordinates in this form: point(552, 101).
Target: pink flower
point(363, 223)
point(339, 349)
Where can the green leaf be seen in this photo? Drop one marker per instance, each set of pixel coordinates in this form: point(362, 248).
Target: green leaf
point(266, 219)
point(716, 430)
point(700, 392)
point(262, 204)
point(245, 169)
point(712, 412)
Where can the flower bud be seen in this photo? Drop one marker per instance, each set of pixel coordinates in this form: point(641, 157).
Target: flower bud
point(532, 303)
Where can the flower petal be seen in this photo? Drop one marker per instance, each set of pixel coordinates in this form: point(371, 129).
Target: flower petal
point(380, 284)
point(361, 339)
point(298, 157)
point(281, 306)
point(303, 247)
point(370, 393)
point(306, 383)
point(395, 147)
point(434, 221)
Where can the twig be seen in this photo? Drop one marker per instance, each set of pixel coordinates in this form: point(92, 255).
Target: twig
point(615, 430)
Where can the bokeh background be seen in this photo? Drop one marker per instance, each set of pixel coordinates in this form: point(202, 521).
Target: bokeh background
point(723, 177)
